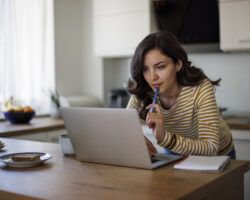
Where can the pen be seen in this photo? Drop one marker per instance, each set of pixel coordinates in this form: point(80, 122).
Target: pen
point(155, 99)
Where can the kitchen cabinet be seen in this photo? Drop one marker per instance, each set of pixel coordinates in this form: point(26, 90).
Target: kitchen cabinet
point(234, 25)
point(242, 146)
point(120, 25)
point(48, 136)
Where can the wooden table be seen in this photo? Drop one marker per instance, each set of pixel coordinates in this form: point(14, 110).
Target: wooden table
point(66, 178)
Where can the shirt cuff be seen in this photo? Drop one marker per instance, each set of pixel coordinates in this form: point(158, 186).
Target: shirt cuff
point(168, 141)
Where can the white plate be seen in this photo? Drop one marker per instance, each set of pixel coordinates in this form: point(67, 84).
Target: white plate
point(7, 159)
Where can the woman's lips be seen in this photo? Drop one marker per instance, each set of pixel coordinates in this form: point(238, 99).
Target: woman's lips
point(156, 86)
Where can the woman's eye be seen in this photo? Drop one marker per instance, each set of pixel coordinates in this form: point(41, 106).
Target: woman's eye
point(160, 67)
point(144, 69)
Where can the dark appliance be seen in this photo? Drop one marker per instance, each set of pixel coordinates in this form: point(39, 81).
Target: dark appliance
point(191, 21)
point(118, 98)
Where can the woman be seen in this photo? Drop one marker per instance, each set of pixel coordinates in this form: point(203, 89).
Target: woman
point(186, 120)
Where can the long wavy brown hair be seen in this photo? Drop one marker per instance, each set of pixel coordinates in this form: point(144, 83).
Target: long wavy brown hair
point(168, 44)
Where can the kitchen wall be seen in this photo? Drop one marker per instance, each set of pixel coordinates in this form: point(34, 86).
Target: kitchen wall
point(78, 71)
point(232, 68)
point(116, 74)
point(68, 48)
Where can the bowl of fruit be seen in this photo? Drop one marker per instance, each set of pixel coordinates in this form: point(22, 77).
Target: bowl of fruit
point(17, 114)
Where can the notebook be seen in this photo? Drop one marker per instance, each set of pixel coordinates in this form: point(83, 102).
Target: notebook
point(203, 163)
point(110, 136)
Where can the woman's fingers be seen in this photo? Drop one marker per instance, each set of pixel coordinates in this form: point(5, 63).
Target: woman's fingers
point(149, 121)
point(153, 119)
point(156, 107)
point(156, 123)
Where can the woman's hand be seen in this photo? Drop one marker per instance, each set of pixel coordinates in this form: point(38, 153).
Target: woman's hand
point(155, 121)
point(151, 149)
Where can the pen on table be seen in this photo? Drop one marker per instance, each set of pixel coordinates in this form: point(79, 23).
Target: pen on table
point(155, 99)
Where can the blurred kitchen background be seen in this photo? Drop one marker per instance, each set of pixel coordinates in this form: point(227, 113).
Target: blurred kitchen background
point(81, 49)
point(87, 47)
point(94, 42)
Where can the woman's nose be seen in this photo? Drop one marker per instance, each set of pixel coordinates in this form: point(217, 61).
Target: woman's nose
point(153, 75)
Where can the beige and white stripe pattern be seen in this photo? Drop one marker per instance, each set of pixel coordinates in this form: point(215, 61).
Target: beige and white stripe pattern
point(194, 123)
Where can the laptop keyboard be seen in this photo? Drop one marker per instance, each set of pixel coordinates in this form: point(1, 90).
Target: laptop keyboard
point(169, 158)
point(154, 159)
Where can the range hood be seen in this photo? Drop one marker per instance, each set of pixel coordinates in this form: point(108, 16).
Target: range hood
point(194, 22)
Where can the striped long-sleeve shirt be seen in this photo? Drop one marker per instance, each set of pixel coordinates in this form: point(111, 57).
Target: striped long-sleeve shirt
point(193, 123)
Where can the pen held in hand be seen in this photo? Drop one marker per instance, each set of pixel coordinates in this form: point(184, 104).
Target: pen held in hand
point(154, 100)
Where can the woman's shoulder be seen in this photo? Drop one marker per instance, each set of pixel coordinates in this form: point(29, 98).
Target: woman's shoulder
point(133, 102)
point(205, 84)
point(204, 88)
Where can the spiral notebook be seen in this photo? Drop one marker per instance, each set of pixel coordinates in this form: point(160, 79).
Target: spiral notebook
point(203, 163)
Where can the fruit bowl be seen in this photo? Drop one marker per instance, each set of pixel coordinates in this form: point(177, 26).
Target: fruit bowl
point(19, 117)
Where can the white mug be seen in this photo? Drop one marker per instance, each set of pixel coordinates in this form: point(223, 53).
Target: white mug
point(66, 146)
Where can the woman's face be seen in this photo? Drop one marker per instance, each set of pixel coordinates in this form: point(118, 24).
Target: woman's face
point(160, 70)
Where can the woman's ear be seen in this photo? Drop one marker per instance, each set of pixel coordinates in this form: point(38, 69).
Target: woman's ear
point(179, 65)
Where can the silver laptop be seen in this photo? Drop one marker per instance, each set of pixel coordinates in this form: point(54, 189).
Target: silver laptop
point(110, 136)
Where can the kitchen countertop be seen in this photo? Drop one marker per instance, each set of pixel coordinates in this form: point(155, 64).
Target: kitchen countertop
point(40, 124)
point(238, 122)
point(37, 124)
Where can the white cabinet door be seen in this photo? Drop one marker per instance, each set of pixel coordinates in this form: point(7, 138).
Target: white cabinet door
point(49, 136)
point(53, 136)
point(242, 146)
point(41, 137)
point(113, 7)
point(119, 26)
point(234, 25)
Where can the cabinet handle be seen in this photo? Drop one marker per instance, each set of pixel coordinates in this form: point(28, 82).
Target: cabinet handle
point(247, 40)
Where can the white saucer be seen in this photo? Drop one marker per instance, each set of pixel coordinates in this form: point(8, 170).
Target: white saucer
point(7, 159)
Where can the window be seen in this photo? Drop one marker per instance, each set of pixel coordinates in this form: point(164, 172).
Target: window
point(27, 52)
